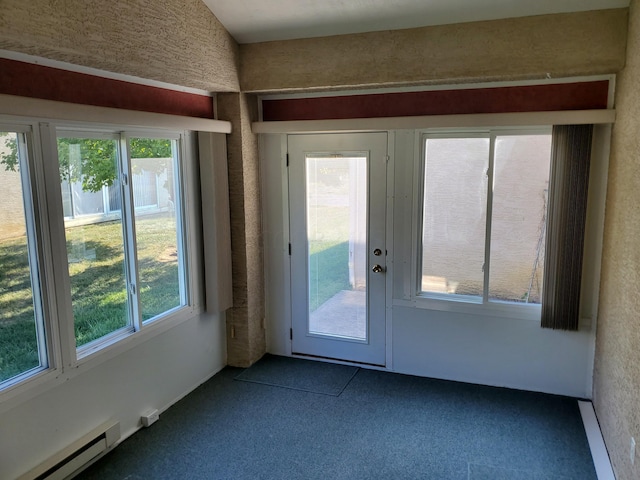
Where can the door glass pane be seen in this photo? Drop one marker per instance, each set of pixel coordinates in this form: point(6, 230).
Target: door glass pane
point(22, 346)
point(95, 246)
point(454, 215)
point(337, 256)
point(520, 194)
point(154, 166)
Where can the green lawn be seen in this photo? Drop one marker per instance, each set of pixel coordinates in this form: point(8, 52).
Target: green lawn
point(328, 253)
point(18, 347)
point(328, 271)
point(98, 288)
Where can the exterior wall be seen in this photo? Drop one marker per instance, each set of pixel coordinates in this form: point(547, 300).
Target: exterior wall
point(175, 41)
point(12, 210)
point(617, 363)
point(245, 332)
point(521, 48)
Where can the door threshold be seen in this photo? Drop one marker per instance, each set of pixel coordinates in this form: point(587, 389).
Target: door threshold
point(338, 361)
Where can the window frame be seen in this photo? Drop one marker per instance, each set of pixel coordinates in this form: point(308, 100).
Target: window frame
point(88, 348)
point(122, 137)
point(464, 304)
point(64, 360)
point(37, 226)
point(178, 153)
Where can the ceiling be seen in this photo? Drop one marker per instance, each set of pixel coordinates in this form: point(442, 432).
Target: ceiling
point(251, 21)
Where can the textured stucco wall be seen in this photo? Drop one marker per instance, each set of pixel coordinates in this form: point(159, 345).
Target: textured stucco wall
point(617, 365)
point(518, 48)
point(175, 41)
point(247, 344)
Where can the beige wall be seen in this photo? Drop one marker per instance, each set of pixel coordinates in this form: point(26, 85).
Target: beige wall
point(245, 331)
point(617, 366)
point(520, 48)
point(175, 41)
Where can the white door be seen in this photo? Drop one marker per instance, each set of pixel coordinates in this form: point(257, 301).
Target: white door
point(337, 195)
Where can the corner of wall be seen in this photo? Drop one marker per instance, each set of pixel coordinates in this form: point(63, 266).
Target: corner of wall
point(245, 329)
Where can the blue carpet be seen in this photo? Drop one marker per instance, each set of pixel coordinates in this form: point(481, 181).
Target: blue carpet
point(296, 374)
point(487, 472)
point(382, 426)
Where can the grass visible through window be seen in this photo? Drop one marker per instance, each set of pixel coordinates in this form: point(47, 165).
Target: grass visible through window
point(97, 288)
point(328, 271)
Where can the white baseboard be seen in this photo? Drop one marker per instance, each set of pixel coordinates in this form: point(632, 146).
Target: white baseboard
point(596, 442)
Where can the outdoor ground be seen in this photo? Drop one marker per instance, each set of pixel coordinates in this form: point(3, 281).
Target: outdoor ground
point(97, 278)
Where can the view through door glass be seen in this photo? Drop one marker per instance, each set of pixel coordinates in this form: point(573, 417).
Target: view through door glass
point(337, 258)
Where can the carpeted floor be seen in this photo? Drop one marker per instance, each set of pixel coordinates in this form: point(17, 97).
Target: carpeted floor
point(380, 426)
point(304, 375)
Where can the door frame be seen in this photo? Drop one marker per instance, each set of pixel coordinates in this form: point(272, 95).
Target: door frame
point(387, 237)
point(277, 263)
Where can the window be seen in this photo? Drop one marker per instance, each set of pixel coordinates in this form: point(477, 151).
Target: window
point(123, 228)
point(158, 225)
point(94, 238)
point(23, 348)
point(454, 215)
point(99, 248)
point(484, 216)
point(519, 217)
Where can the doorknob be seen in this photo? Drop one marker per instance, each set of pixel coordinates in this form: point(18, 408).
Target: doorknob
point(378, 269)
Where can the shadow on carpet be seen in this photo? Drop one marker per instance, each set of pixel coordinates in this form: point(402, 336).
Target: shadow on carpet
point(303, 375)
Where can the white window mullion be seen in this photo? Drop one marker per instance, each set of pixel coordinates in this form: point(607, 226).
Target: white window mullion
point(60, 288)
point(420, 150)
point(35, 258)
point(487, 241)
point(179, 202)
point(129, 231)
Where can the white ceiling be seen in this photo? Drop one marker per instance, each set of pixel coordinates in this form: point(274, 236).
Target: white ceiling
point(251, 21)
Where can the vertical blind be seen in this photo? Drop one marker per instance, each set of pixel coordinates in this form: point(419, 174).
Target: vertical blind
point(569, 180)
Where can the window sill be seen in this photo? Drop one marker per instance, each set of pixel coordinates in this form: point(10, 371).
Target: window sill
point(528, 312)
point(119, 344)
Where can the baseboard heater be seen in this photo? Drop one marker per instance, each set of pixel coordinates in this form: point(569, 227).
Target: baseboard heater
point(74, 457)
